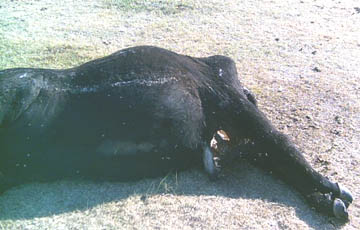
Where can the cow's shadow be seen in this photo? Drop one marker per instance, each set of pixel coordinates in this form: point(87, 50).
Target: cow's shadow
point(243, 181)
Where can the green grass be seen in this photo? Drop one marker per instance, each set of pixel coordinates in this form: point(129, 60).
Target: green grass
point(159, 6)
point(33, 54)
point(62, 56)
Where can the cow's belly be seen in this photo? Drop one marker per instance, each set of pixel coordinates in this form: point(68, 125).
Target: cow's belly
point(95, 137)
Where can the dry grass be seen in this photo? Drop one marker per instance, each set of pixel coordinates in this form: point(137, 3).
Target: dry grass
point(276, 45)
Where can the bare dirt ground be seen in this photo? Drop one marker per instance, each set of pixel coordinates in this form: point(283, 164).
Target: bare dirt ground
point(300, 57)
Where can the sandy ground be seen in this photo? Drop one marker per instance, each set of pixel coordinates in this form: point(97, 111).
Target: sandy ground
point(300, 57)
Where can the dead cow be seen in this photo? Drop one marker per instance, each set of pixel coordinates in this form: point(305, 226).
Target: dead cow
point(142, 112)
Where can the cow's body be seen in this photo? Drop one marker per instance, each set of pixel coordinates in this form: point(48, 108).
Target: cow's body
point(141, 112)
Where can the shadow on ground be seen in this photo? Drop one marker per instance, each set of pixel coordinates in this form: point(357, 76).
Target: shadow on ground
point(243, 181)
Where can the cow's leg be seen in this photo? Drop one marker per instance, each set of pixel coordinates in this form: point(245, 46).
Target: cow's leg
point(218, 155)
point(291, 166)
point(275, 153)
point(209, 161)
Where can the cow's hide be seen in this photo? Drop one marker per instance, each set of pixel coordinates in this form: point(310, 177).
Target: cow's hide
point(142, 112)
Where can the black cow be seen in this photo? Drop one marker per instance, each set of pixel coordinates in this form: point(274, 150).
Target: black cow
point(142, 112)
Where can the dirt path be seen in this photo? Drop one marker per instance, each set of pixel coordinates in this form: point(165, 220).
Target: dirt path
point(300, 57)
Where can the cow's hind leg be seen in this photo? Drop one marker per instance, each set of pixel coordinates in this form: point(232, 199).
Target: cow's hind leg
point(275, 153)
point(218, 154)
point(209, 162)
point(320, 193)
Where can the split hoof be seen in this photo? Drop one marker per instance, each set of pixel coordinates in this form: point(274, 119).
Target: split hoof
point(326, 204)
point(339, 209)
point(345, 195)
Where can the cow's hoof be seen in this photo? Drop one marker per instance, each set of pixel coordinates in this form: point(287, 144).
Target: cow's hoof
point(345, 195)
point(339, 209)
